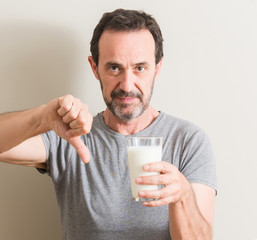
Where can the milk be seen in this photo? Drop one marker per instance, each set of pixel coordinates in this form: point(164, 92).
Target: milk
point(138, 156)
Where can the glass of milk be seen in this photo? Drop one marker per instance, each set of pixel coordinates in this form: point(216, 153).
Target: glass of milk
point(142, 150)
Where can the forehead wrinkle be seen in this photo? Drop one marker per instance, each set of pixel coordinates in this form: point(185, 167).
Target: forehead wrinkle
point(111, 45)
point(142, 63)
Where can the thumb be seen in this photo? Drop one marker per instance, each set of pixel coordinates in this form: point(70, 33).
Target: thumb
point(81, 148)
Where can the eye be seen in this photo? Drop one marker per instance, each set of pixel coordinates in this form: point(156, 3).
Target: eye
point(114, 68)
point(140, 68)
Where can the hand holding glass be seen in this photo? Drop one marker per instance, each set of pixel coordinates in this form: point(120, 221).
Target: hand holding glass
point(142, 150)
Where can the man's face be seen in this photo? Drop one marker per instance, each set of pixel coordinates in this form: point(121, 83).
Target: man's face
point(126, 70)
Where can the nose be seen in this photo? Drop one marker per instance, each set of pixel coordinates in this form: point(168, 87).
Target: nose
point(127, 81)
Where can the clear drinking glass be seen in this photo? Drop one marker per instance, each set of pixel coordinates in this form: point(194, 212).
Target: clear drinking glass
point(142, 150)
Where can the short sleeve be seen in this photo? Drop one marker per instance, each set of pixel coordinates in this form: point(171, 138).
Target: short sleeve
point(58, 152)
point(197, 161)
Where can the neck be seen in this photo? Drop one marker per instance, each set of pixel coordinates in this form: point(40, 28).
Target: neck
point(131, 127)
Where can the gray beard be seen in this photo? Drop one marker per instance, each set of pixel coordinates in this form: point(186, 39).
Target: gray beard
point(118, 109)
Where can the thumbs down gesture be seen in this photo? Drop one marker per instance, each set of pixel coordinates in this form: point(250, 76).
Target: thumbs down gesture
point(70, 119)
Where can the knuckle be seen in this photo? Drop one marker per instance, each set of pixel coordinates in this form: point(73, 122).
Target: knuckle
point(77, 101)
point(83, 121)
point(65, 120)
point(162, 179)
point(165, 192)
point(153, 195)
point(166, 167)
point(64, 99)
point(73, 115)
point(85, 130)
point(65, 108)
point(68, 96)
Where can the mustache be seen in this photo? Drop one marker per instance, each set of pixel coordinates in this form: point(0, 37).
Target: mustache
point(121, 93)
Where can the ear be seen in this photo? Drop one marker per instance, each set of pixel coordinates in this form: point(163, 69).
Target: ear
point(93, 66)
point(158, 68)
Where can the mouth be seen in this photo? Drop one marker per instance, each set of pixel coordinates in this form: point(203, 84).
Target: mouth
point(126, 99)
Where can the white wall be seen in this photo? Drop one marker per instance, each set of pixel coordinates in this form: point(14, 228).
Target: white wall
point(209, 77)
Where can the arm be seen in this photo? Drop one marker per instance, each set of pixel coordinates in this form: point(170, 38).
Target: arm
point(29, 153)
point(191, 206)
point(20, 142)
point(192, 217)
point(16, 127)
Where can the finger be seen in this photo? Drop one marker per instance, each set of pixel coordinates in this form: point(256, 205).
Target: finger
point(162, 167)
point(158, 194)
point(81, 148)
point(160, 202)
point(75, 132)
point(163, 179)
point(83, 120)
point(73, 113)
point(65, 103)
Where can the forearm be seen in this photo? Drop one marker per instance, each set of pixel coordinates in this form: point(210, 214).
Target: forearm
point(186, 221)
point(16, 127)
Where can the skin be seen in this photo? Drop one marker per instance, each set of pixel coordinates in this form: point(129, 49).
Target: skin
point(127, 66)
point(129, 69)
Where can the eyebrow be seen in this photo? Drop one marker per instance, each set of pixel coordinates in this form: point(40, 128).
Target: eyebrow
point(110, 64)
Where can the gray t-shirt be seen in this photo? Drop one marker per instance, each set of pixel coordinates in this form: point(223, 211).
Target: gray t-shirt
point(95, 199)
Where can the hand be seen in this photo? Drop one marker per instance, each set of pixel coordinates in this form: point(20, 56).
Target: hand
point(70, 118)
point(176, 186)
